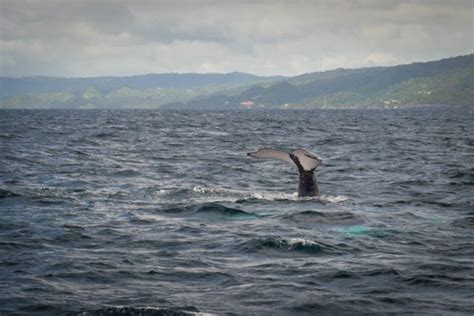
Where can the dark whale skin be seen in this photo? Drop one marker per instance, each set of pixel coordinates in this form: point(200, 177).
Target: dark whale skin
point(308, 186)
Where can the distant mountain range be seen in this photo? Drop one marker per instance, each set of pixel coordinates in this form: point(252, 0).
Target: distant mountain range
point(145, 91)
point(447, 81)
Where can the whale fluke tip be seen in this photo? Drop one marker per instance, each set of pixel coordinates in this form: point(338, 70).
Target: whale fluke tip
point(305, 161)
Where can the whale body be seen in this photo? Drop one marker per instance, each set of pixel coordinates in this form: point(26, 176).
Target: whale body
point(305, 161)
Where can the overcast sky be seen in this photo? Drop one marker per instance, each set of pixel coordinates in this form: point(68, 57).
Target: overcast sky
point(96, 38)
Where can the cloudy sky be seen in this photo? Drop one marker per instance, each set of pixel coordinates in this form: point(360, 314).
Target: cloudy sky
point(95, 38)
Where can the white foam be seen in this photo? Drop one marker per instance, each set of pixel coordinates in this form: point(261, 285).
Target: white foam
point(213, 132)
point(201, 189)
point(159, 310)
point(218, 194)
point(273, 196)
point(293, 242)
point(234, 195)
point(333, 199)
point(230, 195)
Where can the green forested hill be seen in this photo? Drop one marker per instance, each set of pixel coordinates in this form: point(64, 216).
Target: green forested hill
point(447, 81)
point(146, 91)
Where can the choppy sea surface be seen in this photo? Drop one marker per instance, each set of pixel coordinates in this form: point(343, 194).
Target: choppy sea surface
point(162, 213)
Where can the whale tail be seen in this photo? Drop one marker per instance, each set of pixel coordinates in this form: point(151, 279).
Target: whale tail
point(300, 158)
point(305, 161)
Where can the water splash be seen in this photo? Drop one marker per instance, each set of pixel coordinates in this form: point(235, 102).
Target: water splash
point(215, 194)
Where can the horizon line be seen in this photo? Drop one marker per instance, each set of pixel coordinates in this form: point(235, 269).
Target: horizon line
point(228, 73)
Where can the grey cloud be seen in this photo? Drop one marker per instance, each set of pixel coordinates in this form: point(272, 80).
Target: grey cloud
point(52, 19)
point(84, 38)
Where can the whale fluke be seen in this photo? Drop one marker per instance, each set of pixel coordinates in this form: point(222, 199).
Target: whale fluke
point(305, 161)
point(268, 153)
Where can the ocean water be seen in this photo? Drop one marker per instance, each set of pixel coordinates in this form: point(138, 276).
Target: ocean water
point(162, 213)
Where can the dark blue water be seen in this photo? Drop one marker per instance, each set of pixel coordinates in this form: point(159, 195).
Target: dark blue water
point(163, 213)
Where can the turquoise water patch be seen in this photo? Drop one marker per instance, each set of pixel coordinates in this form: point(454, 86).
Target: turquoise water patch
point(362, 230)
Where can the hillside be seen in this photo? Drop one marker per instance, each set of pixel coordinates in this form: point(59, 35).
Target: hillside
point(447, 81)
point(146, 91)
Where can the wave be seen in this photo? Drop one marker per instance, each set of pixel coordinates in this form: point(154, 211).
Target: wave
point(203, 133)
point(240, 196)
point(434, 280)
point(291, 244)
point(221, 210)
point(124, 310)
point(14, 245)
point(7, 193)
point(104, 135)
point(329, 217)
point(213, 210)
point(461, 177)
point(466, 222)
point(9, 136)
point(126, 173)
point(333, 199)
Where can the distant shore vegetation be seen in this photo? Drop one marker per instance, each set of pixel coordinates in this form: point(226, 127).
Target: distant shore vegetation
point(448, 81)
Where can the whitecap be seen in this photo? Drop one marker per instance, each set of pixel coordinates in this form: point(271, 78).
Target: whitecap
point(232, 195)
point(333, 199)
point(300, 242)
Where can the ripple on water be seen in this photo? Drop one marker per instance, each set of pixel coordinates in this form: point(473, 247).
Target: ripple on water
point(211, 211)
point(466, 222)
point(297, 245)
point(7, 193)
point(140, 212)
point(144, 311)
point(325, 217)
